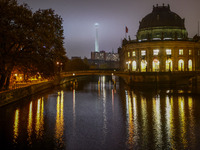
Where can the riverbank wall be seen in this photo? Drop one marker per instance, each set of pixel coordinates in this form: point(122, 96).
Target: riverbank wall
point(10, 96)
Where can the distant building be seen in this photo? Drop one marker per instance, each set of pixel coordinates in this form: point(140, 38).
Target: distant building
point(102, 55)
point(105, 60)
point(162, 44)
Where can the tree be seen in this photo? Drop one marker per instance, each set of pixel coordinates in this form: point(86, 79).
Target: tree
point(29, 40)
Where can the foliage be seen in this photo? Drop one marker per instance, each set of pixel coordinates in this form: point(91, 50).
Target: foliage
point(76, 64)
point(30, 41)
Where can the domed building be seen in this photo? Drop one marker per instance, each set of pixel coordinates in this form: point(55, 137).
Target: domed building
point(162, 44)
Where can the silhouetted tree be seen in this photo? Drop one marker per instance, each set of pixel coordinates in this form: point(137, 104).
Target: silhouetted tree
point(29, 40)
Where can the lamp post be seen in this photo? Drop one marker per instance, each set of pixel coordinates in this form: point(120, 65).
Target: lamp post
point(59, 64)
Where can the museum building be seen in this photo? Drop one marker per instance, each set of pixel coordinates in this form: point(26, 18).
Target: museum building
point(161, 44)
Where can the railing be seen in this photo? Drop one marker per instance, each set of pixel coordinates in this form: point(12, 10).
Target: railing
point(21, 84)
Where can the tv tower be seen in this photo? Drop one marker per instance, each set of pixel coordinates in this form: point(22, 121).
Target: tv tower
point(96, 38)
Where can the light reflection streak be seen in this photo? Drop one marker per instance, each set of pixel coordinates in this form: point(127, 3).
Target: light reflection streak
point(113, 102)
point(169, 121)
point(191, 120)
point(157, 121)
point(144, 121)
point(16, 126)
point(30, 122)
point(59, 130)
point(130, 121)
point(104, 106)
point(181, 104)
point(135, 117)
point(39, 118)
point(74, 107)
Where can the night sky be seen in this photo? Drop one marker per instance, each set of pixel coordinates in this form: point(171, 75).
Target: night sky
point(112, 15)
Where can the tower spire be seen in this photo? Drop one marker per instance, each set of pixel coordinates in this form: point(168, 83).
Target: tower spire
point(96, 38)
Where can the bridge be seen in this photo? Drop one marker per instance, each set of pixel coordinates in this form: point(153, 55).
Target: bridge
point(175, 77)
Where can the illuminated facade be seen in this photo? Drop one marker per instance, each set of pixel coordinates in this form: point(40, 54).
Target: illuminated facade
point(162, 44)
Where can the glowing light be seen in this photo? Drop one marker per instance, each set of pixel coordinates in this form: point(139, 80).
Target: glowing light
point(16, 126)
point(180, 65)
point(181, 104)
point(39, 119)
point(30, 121)
point(134, 67)
point(156, 65)
point(190, 65)
point(143, 65)
point(59, 130)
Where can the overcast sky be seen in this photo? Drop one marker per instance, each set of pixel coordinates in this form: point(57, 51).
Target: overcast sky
point(112, 15)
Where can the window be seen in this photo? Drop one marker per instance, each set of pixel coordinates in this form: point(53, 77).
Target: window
point(128, 54)
point(143, 53)
point(180, 65)
point(190, 52)
point(133, 53)
point(155, 65)
point(134, 66)
point(180, 51)
point(168, 51)
point(155, 51)
point(190, 65)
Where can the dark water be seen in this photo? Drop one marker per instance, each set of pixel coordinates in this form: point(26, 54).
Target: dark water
point(98, 115)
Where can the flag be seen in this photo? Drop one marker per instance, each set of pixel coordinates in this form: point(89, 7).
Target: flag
point(126, 29)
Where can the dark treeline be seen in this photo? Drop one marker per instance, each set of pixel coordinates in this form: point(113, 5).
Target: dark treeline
point(30, 42)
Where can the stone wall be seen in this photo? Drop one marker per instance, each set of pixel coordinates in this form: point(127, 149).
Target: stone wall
point(17, 94)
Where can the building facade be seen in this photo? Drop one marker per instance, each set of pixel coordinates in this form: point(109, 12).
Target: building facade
point(162, 44)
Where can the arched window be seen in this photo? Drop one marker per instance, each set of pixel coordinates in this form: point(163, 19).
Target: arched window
point(134, 67)
point(156, 65)
point(180, 65)
point(169, 65)
point(143, 66)
point(190, 65)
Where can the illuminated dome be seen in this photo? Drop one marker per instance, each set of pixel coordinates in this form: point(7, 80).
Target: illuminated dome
point(162, 24)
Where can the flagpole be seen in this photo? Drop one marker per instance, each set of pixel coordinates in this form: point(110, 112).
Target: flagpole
point(126, 31)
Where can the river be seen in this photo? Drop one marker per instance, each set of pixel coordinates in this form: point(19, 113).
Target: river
point(97, 114)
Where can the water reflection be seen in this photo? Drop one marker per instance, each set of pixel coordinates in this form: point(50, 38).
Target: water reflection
point(59, 130)
point(157, 121)
point(172, 127)
point(39, 125)
point(103, 116)
point(30, 121)
point(16, 126)
point(169, 121)
point(181, 105)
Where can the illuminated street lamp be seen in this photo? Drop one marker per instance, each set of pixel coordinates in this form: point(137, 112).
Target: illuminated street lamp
point(59, 66)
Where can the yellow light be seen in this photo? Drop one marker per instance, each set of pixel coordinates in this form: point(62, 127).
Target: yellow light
point(57, 63)
point(16, 75)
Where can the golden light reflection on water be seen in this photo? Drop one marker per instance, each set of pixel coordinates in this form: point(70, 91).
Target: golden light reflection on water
point(135, 118)
point(191, 120)
point(144, 121)
point(130, 120)
point(181, 104)
point(39, 125)
point(157, 121)
point(169, 121)
point(59, 130)
point(16, 126)
point(30, 121)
